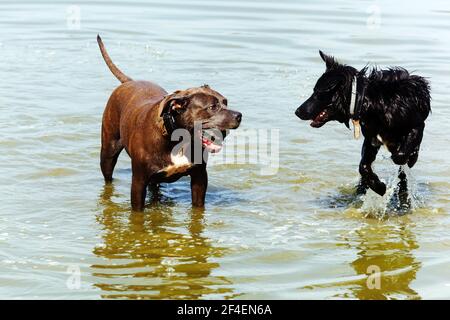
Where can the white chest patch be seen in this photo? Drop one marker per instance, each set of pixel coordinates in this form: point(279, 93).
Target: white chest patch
point(380, 139)
point(180, 164)
point(179, 160)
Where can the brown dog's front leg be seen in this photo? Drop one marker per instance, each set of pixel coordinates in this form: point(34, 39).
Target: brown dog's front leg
point(138, 188)
point(199, 184)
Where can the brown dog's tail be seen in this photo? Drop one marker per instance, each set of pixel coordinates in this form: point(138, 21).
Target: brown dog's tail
point(119, 74)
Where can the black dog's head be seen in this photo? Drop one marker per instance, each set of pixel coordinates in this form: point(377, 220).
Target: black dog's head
point(331, 97)
point(202, 109)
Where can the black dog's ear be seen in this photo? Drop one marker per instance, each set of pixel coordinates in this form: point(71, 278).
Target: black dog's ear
point(329, 60)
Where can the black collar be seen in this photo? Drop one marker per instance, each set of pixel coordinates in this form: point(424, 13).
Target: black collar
point(169, 122)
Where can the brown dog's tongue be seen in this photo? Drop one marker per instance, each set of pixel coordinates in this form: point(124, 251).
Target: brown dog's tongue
point(356, 129)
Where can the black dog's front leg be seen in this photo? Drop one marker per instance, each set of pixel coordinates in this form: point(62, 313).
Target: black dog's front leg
point(403, 188)
point(368, 177)
point(408, 150)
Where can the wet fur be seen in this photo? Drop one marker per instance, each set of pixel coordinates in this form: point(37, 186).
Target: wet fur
point(133, 120)
point(393, 112)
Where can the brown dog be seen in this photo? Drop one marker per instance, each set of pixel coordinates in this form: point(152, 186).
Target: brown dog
point(141, 117)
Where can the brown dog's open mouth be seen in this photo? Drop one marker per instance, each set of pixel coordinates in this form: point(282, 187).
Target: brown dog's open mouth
point(211, 142)
point(320, 119)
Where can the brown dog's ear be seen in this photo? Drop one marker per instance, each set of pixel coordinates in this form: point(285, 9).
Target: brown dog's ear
point(329, 60)
point(177, 104)
point(174, 102)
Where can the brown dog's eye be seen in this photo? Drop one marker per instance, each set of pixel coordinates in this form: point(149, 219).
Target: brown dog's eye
point(214, 107)
point(225, 102)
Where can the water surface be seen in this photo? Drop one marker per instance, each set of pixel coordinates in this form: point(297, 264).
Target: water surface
point(299, 234)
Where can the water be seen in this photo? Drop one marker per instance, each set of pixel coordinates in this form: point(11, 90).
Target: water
point(298, 234)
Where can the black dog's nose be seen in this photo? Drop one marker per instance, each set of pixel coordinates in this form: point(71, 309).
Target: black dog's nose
point(238, 116)
point(301, 113)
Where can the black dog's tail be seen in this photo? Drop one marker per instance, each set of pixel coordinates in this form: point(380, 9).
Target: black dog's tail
point(119, 74)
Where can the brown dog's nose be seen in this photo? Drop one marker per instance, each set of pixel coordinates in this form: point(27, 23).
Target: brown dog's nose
point(238, 116)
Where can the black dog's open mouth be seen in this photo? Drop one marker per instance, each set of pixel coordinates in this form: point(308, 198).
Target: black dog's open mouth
point(320, 119)
point(212, 140)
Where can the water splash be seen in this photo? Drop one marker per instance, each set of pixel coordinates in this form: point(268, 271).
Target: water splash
point(395, 202)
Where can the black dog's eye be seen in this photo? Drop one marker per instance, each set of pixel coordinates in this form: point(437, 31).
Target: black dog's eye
point(323, 95)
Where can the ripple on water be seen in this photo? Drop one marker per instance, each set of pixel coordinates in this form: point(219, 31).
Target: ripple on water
point(299, 233)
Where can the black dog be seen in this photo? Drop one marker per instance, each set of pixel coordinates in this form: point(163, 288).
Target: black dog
point(390, 106)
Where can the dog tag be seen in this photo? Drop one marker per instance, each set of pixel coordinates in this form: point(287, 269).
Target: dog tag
point(356, 129)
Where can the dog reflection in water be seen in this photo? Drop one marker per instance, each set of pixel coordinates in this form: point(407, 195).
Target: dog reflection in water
point(387, 249)
point(148, 256)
